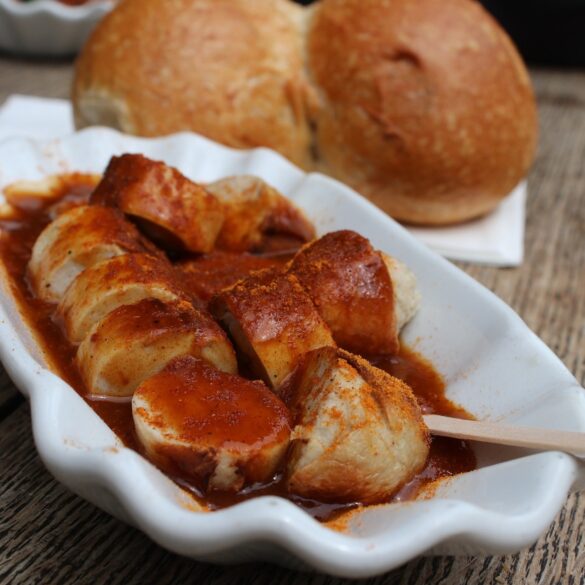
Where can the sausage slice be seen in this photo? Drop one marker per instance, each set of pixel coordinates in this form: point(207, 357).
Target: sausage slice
point(76, 240)
point(358, 434)
point(218, 429)
point(272, 321)
point(136, 341)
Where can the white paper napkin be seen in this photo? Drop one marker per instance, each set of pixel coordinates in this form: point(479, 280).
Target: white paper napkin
point(34, 117)
point(497, 239)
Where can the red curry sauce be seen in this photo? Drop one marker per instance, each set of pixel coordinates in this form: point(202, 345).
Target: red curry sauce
point(17, 236)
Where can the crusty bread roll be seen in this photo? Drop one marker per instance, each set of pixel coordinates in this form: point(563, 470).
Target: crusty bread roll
point(427, 108)
point(423, 106)
point(231, 70)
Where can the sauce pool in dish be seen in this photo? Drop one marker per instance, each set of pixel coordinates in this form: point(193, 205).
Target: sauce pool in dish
point(32, 214)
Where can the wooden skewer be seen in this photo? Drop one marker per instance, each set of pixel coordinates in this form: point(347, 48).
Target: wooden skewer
point(488, 432)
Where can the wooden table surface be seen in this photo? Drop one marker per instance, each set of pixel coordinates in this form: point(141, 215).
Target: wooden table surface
point(48, 535)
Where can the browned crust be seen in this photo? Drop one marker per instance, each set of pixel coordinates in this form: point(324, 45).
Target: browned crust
point(149, 319)
point(162, 67)
point(274, 316)
point(352, 290)
point(423, 106)
point(427, 108)
point(173, 210)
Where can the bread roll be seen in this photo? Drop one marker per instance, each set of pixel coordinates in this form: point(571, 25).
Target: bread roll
point(231, 70)
point(423, 106)
point(426, 109)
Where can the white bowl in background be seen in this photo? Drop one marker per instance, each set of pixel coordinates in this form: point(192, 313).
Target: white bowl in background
point(493, 365)
point(47, 27)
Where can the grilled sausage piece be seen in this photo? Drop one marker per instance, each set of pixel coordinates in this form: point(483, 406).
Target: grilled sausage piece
point(272, 321)
point(136, 341)
point(359, 433)
point(122, 280)
point(76, 240)
point(252, 208)
point(364, 296)
point(218, 429)
point(172, 210)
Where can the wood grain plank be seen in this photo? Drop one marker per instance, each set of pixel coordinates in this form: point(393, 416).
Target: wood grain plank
point(548, 290)
point(45, 78)
point(10, 398)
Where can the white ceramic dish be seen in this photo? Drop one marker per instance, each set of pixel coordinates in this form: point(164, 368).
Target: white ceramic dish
point(47, 27)
point(494, 366)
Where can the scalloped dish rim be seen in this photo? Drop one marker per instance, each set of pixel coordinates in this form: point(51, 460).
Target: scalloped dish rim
point(471, 514)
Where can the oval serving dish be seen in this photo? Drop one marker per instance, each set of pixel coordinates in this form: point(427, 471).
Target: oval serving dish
point(47, 27)
point(494, 366)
